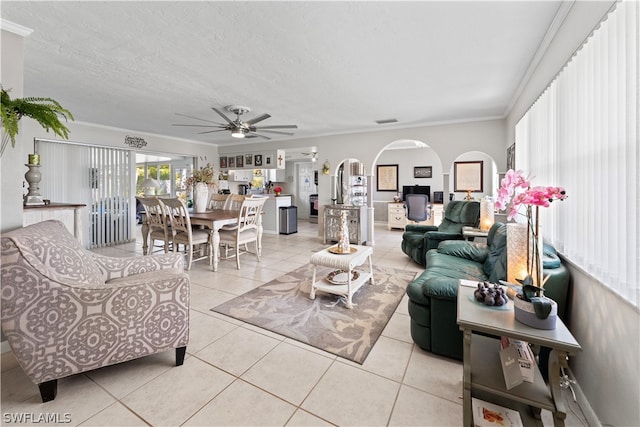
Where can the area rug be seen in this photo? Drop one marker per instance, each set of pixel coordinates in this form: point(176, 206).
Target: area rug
point(283, 306)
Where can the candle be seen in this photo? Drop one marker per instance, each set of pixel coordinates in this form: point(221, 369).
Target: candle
point(34, 159)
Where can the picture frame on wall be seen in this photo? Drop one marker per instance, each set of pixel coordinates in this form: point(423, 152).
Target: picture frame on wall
point(239, 161)
point(422, 172)
point(511, 157)
point(387, 178)
point(223, 162)
point(231, 161)
point(267, 160)
point(467, 176)
point(258, 159)
point(248, 159)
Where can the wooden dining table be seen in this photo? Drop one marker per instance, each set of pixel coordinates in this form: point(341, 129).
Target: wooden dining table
point(214, 220)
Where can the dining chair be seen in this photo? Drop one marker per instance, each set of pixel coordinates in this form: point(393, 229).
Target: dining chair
point(218, 201)
point(246, 231)
point(183, 234)
point(157, 221)
point(235, 201)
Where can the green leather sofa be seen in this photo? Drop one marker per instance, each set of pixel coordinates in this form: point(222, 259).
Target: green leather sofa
point(417, 240)
point(433, 294)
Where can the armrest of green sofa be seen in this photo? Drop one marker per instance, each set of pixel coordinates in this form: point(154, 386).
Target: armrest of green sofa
point(441, 288)
point(463, 249)
point(433, 238)
point(420, 228)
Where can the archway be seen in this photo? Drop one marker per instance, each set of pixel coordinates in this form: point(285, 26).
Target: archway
point(418, 164)
point(474, 165)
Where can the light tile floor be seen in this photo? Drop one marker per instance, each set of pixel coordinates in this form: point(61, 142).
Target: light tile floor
point(238, 374)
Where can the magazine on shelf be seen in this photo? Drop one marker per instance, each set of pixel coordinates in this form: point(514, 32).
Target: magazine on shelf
point(487, 414)
point(525, 357)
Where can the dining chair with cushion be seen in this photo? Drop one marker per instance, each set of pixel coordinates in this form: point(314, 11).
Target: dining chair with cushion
point(184, 234)
point(247, 229)
point(159, 226)
point(66, 310)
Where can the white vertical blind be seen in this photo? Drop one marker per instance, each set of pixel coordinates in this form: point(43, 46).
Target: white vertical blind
point(99, 177)
point(582, 134)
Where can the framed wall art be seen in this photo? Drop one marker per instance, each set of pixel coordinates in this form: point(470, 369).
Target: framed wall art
point(248, 159)
point(258, 159)
point(267, 160)
point(511, 157)
point(467, 176)
point(223, 162)
point(231, 161)
point(239, 161)
point(387, 177)
point(422, 172)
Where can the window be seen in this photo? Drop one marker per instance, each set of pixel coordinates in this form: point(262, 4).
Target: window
point(582, 134)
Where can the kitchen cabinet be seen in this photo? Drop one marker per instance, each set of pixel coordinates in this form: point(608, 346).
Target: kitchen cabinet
point(275, 175)
point(271, 212)
point(241, 175)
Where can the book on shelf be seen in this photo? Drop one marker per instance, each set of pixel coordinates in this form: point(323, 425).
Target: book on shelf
point(525, 356)
point(487, 414)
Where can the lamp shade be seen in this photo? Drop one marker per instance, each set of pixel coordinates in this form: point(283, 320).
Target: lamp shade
point(516, 252)
point(486, 214)
point(149, 186)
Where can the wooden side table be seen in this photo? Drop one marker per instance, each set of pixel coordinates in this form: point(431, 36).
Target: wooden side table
point(346, 262)
point(482, 371)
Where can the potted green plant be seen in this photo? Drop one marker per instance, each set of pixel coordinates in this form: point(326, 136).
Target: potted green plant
point(45, 111)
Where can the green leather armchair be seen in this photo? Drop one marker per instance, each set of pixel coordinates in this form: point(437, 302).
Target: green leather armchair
point(417, 240)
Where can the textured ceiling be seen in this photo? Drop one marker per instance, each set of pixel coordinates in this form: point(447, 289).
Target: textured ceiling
point(328, 67)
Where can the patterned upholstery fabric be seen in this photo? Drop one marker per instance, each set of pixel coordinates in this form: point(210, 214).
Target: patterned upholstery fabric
point(66, 310)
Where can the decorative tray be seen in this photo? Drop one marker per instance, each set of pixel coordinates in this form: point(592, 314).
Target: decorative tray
point(341, 277)
point(505, 307)
point(336, 250)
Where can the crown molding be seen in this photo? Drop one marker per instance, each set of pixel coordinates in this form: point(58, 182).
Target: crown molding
point(12, 27)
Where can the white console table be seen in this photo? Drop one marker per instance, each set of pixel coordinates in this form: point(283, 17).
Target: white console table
point(69, 213)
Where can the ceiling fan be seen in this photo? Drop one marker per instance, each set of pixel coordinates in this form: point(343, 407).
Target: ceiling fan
point(313, 154)
point(237, 127)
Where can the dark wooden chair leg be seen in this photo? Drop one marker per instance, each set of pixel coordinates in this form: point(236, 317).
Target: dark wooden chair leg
point(180, 352)
point(48, 390)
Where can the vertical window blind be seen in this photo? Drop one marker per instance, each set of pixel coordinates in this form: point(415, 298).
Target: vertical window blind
point(99, 177)
point(582, 134)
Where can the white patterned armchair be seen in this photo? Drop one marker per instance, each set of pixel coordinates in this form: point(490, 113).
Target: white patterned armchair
point(66, 310)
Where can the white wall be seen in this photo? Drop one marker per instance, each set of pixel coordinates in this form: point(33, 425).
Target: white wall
point(12, 167)
point(447, 142)
point(605, 325)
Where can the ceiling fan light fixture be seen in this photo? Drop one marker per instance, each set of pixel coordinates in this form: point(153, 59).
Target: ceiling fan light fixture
point(238, 133)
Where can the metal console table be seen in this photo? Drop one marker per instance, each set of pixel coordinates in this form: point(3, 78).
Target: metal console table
point(482, 370)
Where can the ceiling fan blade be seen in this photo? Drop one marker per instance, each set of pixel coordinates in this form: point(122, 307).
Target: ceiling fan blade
point(274, 131)
point(258, 119)
point(261, 136)
point(196, 118)
point(200, 126)
point(279, 127)
point(222, 115)
point(211, 131)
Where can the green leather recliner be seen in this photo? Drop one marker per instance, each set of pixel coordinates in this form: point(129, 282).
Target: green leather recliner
point(417, 240)
point(433, 294)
